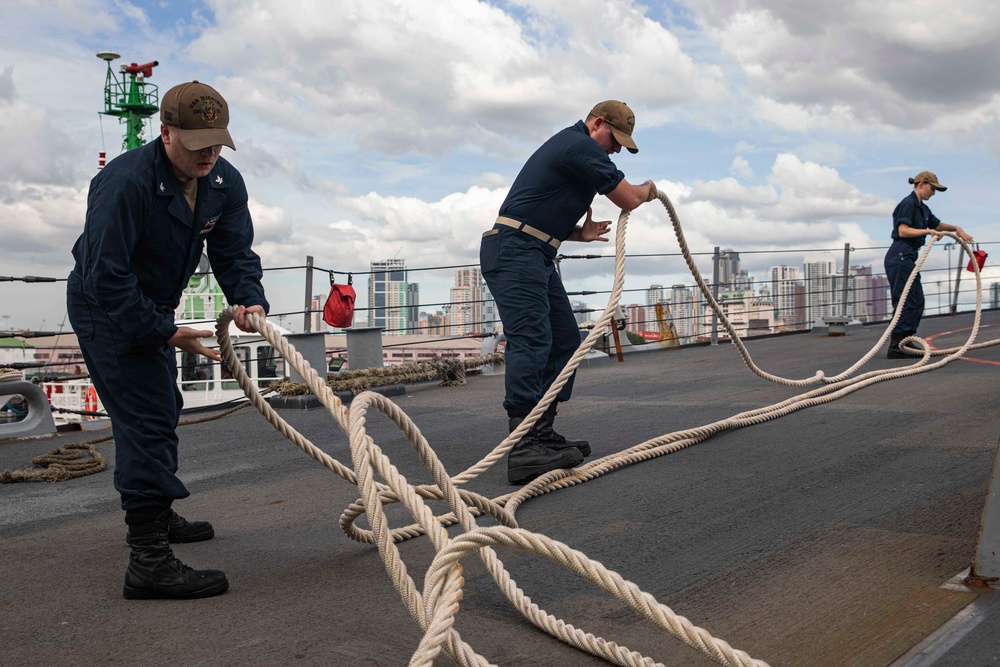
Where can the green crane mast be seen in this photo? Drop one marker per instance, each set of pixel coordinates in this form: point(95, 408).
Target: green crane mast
point(130, 98)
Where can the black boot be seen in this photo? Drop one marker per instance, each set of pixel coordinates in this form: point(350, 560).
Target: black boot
point(894, 351)
point(180, 529)
point(548, 436)
point(155, 573)
point(529, 458)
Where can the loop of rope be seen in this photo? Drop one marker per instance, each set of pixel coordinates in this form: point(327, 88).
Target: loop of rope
point(952, 353)
point(64, 463)
point(434, 608)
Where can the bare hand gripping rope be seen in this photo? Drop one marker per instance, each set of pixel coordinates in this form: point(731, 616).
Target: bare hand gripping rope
point(434, 608)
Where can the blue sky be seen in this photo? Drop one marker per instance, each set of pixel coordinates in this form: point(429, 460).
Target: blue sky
point(367, 129)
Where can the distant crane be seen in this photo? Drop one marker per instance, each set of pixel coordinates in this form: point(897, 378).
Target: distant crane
point(668, 334)
point(130, 98)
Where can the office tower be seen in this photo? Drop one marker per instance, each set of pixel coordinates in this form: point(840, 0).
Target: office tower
point(465, 308)
point(866, 295)
point(685, 308)
point(818, 271)
point(413, 308)
point(491, 316)
point(316, 305)
point(387, 296)
point(636, 319)
point(729, 267)
point(742, 281)
point(578, 311)
point(787, 296)
point(654, 295)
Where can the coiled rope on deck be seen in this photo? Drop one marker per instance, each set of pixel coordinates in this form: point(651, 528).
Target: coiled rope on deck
point(67, 462)
point(63, 463)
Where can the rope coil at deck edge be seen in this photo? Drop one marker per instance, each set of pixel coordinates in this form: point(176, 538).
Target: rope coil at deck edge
point(435, 608)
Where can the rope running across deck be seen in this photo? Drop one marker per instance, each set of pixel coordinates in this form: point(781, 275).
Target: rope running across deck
point(434, 608)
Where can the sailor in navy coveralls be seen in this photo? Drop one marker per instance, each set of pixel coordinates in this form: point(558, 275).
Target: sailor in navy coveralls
point(551, 194)
point(912, 222)
point(150, 214)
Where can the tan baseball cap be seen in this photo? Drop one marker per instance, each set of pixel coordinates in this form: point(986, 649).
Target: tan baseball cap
point(928, 177)
point(621, 119)
point(200, 115)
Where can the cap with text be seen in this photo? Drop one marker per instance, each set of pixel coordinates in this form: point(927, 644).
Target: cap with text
point(200, 115)
point(621, 119)
point(927, 177)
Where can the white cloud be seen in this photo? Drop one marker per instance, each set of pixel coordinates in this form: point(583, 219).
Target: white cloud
point(35, 150)
point(39, 224)
point(906, 65)
point(397, 76)
point(741, 169)
point(370, 129)
point(804, 204)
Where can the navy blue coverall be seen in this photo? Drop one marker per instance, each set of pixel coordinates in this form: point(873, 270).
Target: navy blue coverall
point(552, 192)
point(140, 244)
point(902, 257)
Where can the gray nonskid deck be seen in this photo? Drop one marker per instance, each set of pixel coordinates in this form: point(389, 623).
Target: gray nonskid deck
point(820, 538)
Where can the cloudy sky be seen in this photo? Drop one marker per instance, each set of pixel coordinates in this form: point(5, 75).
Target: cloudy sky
point(393, 128)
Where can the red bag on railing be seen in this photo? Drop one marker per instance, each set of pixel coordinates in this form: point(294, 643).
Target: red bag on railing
point(979, 256)
point(339, 308)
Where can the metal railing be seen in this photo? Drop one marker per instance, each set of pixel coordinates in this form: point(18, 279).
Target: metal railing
point(846, 282)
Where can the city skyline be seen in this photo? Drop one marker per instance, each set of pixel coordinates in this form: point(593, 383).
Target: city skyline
point(796, 296)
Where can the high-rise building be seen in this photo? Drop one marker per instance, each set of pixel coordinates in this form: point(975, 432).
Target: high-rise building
point(742, 281)
point(491, 316)
point(818, 272)
point(867, 300)
point(413, 307)
point(465, 310)
point(685, 308)
point(435, 324)
point(636, 319)
point(729, 266)
point(786, 293)
point(316, 305)
point(748, 314)
point(578, 311)
point(388, 292)
point(654, 295)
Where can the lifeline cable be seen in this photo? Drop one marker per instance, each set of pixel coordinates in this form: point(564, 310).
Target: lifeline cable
point(434, 609)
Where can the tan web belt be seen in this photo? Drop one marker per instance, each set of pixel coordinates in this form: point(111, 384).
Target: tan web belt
point(529, 230)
